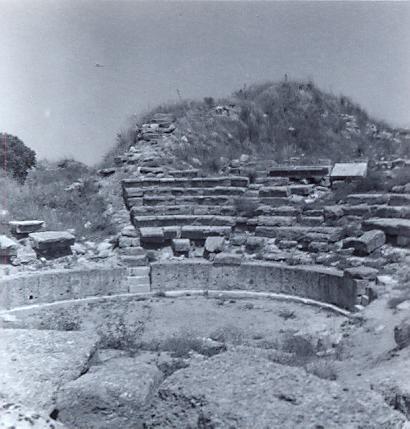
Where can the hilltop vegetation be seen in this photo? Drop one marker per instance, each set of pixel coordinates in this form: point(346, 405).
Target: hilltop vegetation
point(274, 121)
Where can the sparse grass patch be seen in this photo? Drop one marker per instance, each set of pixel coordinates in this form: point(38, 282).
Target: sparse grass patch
point(322, 368)
point(286, 314)
point(117, 333)
point(180, 345)
point(228, 334)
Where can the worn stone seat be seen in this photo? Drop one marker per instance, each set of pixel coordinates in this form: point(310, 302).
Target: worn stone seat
point(300, 171)
point(274, 191)
point(273, 220)
point(391, 211)
point(184, 173)
point(182, 220)
point(397, 230)
point(198, 182)
point(367, 198)
point(162, 235)
point(223, 210)
point(298, 233)
point(399, 199)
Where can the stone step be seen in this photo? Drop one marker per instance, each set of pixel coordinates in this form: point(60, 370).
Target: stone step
point(391, 211)
point(299, 233)
point(278, 201)
point(183, 200)
point(274, 191)
point(131, 251)
point(175, 220)
point(273, 221)
point(399, 199)
point(300, 171)
point(181, 191)
point(204, 231)
point(223, 210)
point(134, 261)
point(367, 198)
point(397, 230)
point(278, 211)
point(303, 190)
point(311, 220)
point(184, 173)
point(198, 182)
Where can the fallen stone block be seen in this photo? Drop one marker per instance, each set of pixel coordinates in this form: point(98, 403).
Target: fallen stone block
point(367, 243)
point(110, 395)
point(52, 244)
point(214, 244)
point(22, 228)
point(181, 246)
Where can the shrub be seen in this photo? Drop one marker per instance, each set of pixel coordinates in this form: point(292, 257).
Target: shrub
point(15, 157)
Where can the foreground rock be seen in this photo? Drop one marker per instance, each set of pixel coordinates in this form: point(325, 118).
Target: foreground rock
point(242, 389)
point(109, 396)
point(34, 363)
point(8, 248)
point(18, 417)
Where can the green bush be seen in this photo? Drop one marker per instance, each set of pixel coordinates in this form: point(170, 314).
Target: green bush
point(15, 157)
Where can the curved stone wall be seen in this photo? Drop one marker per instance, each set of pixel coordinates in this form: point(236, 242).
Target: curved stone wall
point(59, 285)
point(310, 281)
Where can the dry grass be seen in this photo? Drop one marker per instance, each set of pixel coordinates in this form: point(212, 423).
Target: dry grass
point(43, 197)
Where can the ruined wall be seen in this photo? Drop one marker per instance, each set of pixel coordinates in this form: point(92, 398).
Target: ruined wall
point(314, 282)
point(58, 285)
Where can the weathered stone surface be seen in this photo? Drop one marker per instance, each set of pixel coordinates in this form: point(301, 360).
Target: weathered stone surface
point(51, 244)
point(242, 389)
point(152, 234)
point(226, 258)
point(112, 395)
point(348, 170)
point(25, 227)
point(34, 364)
point(367, 243)
point(181, 245)
point(8, 247)
point(362, 273)
point(19, 417)
point(274, 191)
point(391, 227)
point(214, 244)
point(253, 244)
point(402, 334)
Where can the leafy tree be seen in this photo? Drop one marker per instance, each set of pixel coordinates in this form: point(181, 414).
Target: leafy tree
point(15, 157)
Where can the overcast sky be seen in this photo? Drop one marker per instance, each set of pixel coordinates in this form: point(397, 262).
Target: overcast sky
point(54, 98)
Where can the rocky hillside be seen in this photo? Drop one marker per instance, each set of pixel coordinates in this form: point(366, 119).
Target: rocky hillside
point(272, 120)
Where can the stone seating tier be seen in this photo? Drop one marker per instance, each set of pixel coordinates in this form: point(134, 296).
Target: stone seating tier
point(197, 182)
point(221, 210)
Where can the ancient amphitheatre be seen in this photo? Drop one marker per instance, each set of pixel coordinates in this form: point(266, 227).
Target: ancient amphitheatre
point(264, 294)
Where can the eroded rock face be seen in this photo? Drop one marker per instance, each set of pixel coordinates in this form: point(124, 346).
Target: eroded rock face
point(242, 389)
point(402, 334)
point(35, 363)
point(18, 417)
point(109, 396)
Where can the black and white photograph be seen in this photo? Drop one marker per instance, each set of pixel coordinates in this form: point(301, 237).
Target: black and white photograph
point(204, 214)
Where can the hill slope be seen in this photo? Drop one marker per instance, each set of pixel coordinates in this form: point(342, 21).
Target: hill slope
point(275, 121)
